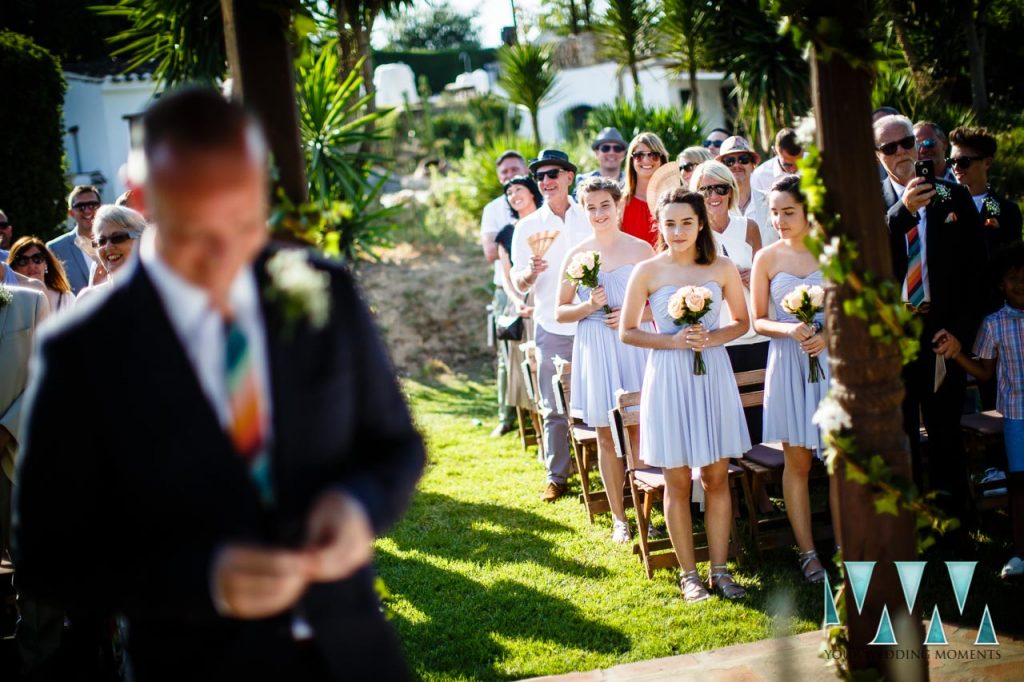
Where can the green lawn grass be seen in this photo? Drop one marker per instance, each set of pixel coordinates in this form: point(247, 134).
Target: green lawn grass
point(487, 582)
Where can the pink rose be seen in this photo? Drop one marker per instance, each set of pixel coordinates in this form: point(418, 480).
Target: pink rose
point(695, 301)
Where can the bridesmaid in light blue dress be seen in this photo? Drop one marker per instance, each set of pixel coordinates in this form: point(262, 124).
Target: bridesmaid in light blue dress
point(689, 420)
point(601, 363)
point(789, 400)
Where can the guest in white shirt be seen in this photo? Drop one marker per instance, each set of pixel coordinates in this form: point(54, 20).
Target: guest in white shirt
point(787, 153)
point(495, 217)
point(554, 174)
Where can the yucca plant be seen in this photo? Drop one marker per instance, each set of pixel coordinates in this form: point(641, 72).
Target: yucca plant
point(476, 169)
point(627, 32)
point(528, 76)
point(682, 39)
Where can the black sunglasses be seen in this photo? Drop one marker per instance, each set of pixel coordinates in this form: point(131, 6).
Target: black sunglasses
point(86, 205)
point(4, 224)
point(731, 161)
point(116, 239)
point(22, 261)
point(964, 162)
point(713, 143)
point(889, 148)
point(688, 166)
point(617, 148)
point(720, 190)
point(549, 174)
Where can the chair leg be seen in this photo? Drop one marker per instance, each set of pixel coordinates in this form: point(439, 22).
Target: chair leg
point(748, 493)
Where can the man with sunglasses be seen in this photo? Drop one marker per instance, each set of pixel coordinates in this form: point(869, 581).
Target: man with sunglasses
point(610, 149)
point(972, 152)
point(715, 138)
point(83, 202)
point(787, 153)
point(541, 275)
point(938, 260)
point(6, 233)
point(741, 159)
point(932, 145)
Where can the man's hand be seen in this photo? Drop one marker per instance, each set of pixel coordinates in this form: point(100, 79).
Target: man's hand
point(919, 192)
point(945, 344)
point(257, 582)
point(340, 538)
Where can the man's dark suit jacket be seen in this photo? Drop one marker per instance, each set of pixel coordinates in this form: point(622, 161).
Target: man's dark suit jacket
point(955, 253)
point(1000, 227)
point(121, 504)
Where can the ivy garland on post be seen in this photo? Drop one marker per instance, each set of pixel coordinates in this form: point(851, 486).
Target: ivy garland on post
point(879, 304)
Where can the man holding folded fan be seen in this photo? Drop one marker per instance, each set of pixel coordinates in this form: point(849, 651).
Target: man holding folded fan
point(938, 256)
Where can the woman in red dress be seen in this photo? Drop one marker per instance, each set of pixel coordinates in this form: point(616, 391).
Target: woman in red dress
point(646, 154)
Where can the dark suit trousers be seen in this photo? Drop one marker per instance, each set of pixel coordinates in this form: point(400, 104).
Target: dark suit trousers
point(946, 469)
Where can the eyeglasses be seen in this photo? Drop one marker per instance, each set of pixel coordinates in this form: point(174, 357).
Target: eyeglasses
point(22, 261)
point(549, 174)
point(646, 156)
point(116, 239)
point(964, 162)
point(720, 190)
point(889, 148)
point(744, 159)
point(927, 144)
point(86, 205)
point(713, 143)
point(617, 148)
point(687, 167)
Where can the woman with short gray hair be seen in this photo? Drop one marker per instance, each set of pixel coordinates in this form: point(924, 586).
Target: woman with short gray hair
point(115, 229)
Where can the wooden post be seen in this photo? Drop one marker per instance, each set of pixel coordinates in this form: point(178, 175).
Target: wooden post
point(865, 372)
point(262, 72)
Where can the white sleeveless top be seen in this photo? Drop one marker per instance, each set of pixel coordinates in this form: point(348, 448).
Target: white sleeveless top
point(732, 243)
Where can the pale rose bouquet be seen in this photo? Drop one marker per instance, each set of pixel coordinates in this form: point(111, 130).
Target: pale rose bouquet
point(804, 303)
point(583, 269)
point(687, 306)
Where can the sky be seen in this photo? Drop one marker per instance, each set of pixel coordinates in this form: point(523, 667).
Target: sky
point(492, 15)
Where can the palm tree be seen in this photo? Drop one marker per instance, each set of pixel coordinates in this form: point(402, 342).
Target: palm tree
point(627, 33)
point(527, 75)
point(682, 30)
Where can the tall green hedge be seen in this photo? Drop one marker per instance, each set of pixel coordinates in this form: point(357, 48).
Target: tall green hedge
point(32, 163)
point(439, 66)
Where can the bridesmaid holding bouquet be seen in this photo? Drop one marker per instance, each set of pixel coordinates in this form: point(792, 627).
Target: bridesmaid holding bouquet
point(690, 419)
point(601, 363)
point(798, 376)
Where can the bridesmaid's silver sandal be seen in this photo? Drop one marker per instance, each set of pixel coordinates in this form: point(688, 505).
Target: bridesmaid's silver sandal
point(722, 583)
point(815, 576)
point(692, 587)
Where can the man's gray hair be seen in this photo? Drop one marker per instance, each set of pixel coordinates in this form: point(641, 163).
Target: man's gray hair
point(120, 216)
point(886, 121)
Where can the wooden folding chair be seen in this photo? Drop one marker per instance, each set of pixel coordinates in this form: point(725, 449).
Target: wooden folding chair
point(647, 486)
point(763, 465)
point(582, 443)
point(529, 368)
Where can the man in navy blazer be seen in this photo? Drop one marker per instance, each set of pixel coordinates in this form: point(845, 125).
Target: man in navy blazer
point(252, 440)
point(942, 217)
point(83, 202)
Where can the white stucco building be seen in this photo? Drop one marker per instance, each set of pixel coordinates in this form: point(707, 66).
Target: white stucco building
point(98, 109)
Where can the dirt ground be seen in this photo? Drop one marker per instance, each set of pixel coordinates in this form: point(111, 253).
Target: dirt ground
point(431, 307)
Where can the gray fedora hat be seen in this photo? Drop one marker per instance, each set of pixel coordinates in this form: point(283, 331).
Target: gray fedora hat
point(608, 135)
point(552, 157)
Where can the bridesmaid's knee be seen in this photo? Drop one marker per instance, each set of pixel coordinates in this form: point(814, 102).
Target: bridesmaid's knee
point(715, 480)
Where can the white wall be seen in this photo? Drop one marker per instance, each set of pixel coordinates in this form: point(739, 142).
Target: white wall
point(602, 84)
point(98, 106)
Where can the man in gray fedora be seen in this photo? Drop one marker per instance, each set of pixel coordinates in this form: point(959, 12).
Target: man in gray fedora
point(610, 150)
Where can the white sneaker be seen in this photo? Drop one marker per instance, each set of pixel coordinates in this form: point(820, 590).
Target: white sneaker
point(1013, 568)
point(620, 532)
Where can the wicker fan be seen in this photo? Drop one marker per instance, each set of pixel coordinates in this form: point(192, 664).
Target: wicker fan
point(540, 242)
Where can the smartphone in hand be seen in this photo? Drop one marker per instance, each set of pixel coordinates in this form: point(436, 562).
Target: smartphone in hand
point(925, 169)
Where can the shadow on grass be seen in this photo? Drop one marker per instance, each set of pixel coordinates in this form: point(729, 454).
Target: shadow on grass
point(463, 627)
point(439, 397)
point(444, 526)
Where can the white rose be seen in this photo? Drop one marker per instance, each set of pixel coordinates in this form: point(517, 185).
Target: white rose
point(676, 306)
point(575, 269)
point(791, 302)
point(817, 295)
point(589, 259)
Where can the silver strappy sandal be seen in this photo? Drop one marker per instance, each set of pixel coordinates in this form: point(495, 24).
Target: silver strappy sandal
point(692, 587)
point(721, 581)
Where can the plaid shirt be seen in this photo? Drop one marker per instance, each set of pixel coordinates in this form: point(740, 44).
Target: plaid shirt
point(1002, 339)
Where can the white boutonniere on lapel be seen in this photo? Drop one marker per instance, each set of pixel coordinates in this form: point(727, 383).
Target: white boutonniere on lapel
point(5, 296)
point(300, 290)
point(942, 192)
point(990, 209)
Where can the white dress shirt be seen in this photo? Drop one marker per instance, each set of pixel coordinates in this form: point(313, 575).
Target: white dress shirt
point(979, 200)
point(922, 234)
point(573, 230)
point(200, 328)
point(497, 214)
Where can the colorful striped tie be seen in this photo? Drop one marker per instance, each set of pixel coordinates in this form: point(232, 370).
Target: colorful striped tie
point(915, 274)
point(246, 409)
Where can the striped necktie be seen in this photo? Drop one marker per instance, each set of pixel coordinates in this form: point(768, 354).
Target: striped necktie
point(915, 274)
point(247, 413)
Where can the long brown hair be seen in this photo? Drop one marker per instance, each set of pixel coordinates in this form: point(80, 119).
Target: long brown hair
point(55, 277)
point(654, 143)
point(707, 252)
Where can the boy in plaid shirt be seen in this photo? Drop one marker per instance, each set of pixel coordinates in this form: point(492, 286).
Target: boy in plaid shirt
point(1000, 350)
